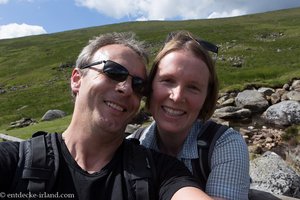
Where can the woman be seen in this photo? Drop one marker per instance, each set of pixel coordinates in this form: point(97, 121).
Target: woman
point(182, 96)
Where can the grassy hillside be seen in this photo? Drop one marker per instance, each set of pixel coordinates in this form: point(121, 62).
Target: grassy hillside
point(35, 73)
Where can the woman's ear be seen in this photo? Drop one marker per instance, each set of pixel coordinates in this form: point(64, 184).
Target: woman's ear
point(76, 80)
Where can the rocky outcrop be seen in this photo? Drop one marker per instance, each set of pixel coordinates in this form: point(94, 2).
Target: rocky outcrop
point(271, 173)
point(278, 106)
point(22, 123)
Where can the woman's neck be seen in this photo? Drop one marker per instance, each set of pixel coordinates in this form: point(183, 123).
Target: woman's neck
point(170, 143)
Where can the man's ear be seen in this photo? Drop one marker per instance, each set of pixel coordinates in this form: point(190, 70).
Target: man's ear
point(76, 80)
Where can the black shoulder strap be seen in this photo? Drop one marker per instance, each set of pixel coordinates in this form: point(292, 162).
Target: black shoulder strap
point(207, 137)
point(139, 171)
point(38, 163)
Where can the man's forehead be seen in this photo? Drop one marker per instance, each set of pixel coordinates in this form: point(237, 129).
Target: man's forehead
point(112, 51)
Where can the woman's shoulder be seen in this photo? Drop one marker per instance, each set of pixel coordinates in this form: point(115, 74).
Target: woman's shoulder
point(232, 141)
point(231, 134)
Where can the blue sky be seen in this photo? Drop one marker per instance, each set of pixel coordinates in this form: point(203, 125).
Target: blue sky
point(30, 17)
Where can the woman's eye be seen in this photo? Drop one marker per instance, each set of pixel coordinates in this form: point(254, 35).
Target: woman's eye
point(194, 88)
point(167, 81)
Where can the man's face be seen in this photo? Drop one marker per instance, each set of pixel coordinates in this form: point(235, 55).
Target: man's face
point(104, 102)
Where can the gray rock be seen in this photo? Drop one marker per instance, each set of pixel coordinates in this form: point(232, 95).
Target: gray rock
point(271, 173)
point(293, 95)
point(22, 123)
point(275, 98)
point(53, 114)
point(232, 112)
point(251, 99)
point(296, 85)
point(266, 91)
point(283, 113)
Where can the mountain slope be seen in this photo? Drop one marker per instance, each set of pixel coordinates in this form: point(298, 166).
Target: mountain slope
point(259, 49)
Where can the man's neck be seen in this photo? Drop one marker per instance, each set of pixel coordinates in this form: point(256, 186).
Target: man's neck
point(92, 151)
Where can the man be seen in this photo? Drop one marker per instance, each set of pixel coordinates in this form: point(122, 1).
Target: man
point(108, 83)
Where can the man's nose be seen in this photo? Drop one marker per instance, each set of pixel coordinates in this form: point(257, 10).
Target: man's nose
point(125, 87)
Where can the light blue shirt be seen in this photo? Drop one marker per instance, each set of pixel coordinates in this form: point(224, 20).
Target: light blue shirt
point(229, 177)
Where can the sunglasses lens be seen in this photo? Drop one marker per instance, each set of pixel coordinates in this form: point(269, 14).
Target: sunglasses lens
point(138, 85)
point(119, 73)
point(208, 46)
point(115, 71)
point(211, 48)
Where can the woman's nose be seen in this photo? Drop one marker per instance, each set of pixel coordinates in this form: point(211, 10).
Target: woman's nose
point(177, 94)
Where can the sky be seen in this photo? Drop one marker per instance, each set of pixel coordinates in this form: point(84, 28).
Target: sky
point(32, 17)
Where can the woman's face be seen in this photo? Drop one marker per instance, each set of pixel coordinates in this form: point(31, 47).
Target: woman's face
point(179, 91)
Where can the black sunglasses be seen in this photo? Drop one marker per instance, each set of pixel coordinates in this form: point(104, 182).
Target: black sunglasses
point(205, 44)
point(118, 73)
point(208, 46)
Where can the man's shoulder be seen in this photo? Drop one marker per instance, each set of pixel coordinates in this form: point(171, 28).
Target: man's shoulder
point(7, 147)
point(9, 154)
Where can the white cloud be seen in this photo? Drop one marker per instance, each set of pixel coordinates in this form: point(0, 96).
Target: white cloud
point(115, 9)
point(168, 9)
point(148, 9)
point(182, 9)
point(224, 14)
point(19, 30)
point(3, 1)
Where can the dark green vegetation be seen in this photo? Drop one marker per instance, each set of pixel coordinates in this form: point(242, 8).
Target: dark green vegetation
point(35, 70)
point(292, 135)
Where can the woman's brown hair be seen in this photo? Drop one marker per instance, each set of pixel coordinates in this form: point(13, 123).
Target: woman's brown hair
point(185, 40)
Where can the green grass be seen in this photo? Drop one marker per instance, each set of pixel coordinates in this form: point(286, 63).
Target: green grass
point(34, 82)
point(58, 125)
point(292, 135)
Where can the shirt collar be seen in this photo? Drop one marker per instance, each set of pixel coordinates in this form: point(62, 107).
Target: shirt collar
point(189, 149)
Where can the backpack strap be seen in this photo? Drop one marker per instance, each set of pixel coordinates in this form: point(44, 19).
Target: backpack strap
point(139, 171)
point(207, 137)
point(38, 163)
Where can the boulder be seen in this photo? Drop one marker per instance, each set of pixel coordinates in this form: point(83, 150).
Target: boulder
point(295, 85)
point(284, 113)
point(271, 173)
point(53, 114)
point(293, 95)
point(253, 100)
point(232, 112)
